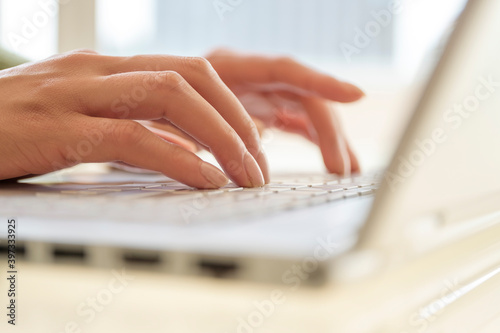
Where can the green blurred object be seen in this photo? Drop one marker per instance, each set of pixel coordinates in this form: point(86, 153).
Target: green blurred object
point(8, 59)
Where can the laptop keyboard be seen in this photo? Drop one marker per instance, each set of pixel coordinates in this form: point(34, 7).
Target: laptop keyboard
point(172, 202)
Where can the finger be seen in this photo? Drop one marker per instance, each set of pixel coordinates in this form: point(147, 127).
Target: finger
point(285, 111)
point(289, 114)
point(282, 111)
point(167, 95)
point(130, 168)
point(173, 138)
point(297, 124)
point(261, 127)
point(331, 140)
point(230, 108)
point(304, 127)
point(131, 143)
point(355, 166)
point(166, 126)
point(88, 51)
point(266, 70)
point(199, 73)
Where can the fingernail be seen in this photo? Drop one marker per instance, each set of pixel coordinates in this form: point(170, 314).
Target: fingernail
point(261, 158)
point(354, 89)
point(253, 170)
point(358, 91)
point(213, 175)
point(263, 162)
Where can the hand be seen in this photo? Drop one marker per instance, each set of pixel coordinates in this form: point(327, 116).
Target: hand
point(281, 93)
point(292, 97)
point(78, 107)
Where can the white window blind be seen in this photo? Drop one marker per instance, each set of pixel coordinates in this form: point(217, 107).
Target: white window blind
point(29, 27)
point(300, 27)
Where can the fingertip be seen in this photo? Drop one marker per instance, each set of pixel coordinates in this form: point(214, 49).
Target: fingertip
point(355, 166)
point(352, 93)
point(334, 161)
point(343, 92)
point(357, 91)
point(264, 166)
point(253, 171)
point(356, 169)
point(214, 177)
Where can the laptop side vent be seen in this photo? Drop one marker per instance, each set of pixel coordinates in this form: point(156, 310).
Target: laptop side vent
point(20, 250)
point(68, 253)
point(218, 269)
point(142, 258)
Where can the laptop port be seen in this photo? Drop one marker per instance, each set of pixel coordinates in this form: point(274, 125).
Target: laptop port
point(141, 258)
point(218, 269)
point(68, 253)
point(20, 250)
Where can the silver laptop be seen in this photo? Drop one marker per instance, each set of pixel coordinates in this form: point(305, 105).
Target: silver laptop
point(441, 185)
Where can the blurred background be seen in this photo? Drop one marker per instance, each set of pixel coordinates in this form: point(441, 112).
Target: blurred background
point(387, 47)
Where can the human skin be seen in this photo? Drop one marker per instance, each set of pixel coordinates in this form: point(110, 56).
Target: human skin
point(82, 107)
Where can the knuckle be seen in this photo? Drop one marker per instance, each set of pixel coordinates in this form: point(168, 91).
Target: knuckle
point(176, 156)
point(199, 64)
point(76, 58)
point(284, 61)
point(220, 51)
point(137, 58)
point(251, 125)
point(47, 88)
point(171, 80)
point(251, 135)
point(69, 98)
point(124, 133)
point(233, 142)
point(85, 51)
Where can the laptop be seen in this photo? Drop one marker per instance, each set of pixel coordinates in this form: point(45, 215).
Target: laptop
point(442, 185)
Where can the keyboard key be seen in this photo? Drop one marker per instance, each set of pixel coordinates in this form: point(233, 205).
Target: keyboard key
point(350, 194)
point(173, 202)
point(365, 192)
